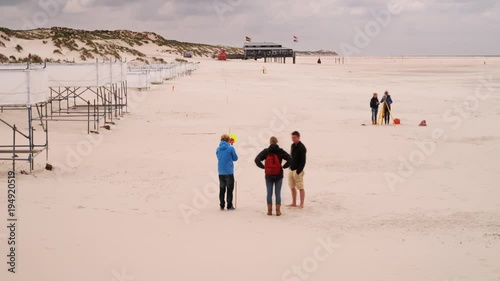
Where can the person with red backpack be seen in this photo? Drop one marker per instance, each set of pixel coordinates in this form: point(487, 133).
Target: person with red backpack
point(272, 157)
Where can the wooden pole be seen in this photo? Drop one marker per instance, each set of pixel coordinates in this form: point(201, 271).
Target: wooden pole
point(235, 194)
point(381, 118)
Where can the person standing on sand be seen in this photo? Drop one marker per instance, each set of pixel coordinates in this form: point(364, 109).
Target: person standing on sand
point(296, 174)
point(226, 155)
point(374, 103)
point(273, 157)
point(387, 101)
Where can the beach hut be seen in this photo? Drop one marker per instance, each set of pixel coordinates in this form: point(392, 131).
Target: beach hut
point(222, 55)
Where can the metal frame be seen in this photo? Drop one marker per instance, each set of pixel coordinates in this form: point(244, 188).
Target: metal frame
point(174, 69)
point(107, 101)
point(31, 150)
point(68, 104)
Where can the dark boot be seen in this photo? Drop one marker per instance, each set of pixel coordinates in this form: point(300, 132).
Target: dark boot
point(269, 209)
point(278, 210)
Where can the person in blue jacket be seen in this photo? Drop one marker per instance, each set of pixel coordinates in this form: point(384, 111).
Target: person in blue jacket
point(386, 101)
point(226, 155)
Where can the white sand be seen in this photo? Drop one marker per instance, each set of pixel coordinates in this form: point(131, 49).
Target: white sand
point(121, 208)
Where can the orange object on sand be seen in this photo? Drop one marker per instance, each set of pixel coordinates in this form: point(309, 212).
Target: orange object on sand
point(397, 121)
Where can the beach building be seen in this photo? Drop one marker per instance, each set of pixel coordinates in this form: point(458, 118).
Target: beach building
point(266, 50)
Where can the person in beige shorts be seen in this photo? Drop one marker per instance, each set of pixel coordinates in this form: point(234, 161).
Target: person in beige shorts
point(296, 173)
point(296, 180)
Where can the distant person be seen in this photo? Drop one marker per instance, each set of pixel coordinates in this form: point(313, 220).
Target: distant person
point(296, 174)
point(374, 103)
point(226, 155)
point(273, 156)
point(386, 101)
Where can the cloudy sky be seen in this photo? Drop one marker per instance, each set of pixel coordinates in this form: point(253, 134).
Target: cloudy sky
point(350, 27)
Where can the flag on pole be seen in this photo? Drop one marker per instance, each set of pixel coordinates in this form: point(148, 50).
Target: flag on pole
point(248, 39)
point(295, 39)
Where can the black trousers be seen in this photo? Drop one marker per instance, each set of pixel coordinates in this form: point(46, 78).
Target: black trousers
point(387, 115)
point(226, 186)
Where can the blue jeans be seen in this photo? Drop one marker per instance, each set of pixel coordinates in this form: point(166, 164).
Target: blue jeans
point(277, 187)
point(374, 114)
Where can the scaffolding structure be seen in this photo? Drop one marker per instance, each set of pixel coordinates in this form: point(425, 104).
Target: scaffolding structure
point(23, 90)
point(94, 93)
point(158, 73)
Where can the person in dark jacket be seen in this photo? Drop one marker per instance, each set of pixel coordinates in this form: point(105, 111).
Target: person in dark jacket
point(386, 101)
point(296, 174)
point(226, 155)
point(374, 103)
point(275, 181)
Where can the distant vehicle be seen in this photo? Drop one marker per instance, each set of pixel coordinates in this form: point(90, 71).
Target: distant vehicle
point(188, 55)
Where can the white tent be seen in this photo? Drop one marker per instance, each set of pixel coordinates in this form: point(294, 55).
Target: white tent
point(138, 80)
point(154, 76)
point(23, 87)
point(85, 74)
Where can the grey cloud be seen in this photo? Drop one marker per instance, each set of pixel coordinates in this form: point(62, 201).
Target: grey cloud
point(9, 3)
point(434, 26)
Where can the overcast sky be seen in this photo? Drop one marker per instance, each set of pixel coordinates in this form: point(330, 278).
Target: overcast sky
point(415, 27)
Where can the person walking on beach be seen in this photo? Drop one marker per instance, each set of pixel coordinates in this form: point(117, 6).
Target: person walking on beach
point(226, 155)
point(386, 101)
point(296, 174)
point(374, 103)
point(273, 157)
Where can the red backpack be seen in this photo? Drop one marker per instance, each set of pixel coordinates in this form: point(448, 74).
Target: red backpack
point(272, 166)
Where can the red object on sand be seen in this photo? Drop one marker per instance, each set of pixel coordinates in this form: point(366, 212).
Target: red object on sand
point(397, 122)
point(231, 141)
point(222, 55)
point(423, 123)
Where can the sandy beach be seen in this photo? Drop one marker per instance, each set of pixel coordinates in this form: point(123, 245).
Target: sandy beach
point(383, 203)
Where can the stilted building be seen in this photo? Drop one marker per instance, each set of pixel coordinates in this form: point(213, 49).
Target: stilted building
point(266, 51)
